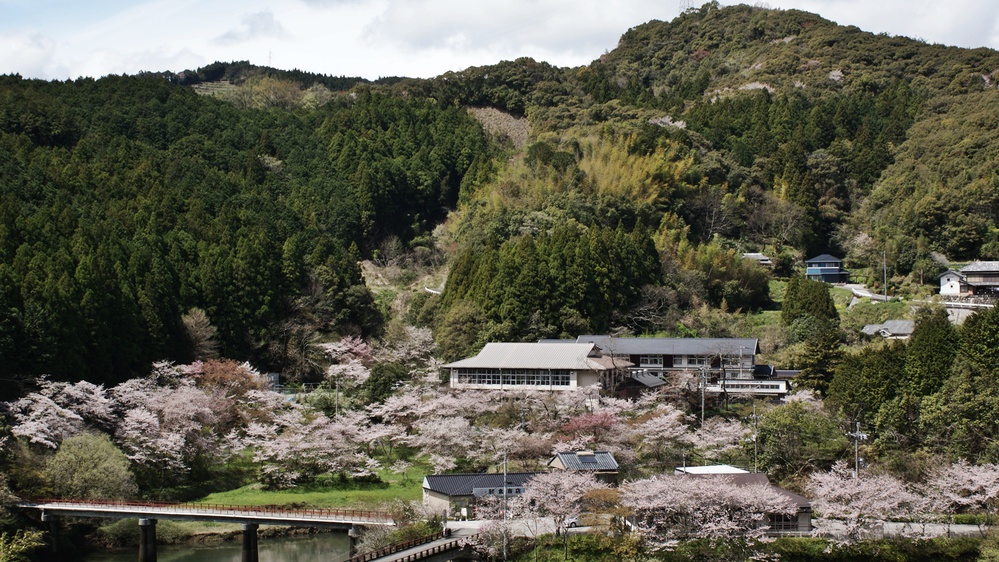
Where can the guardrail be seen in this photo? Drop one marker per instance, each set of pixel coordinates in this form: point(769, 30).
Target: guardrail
point(437, 549)
point(397, 547)
point(352, 515)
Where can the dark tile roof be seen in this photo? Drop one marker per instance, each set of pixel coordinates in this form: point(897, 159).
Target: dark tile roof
point(587, 460)
point(463, 484)
point(672, 346)
point(824, 258)
point(650, 381)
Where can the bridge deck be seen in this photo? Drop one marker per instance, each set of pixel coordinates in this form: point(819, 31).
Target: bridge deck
point(336, 518)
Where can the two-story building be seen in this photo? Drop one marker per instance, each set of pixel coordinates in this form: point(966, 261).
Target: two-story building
point(727, 365)
point(978, 278)
point(826, 268)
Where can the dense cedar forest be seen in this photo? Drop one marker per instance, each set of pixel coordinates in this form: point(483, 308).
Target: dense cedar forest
point(143, 217)
point(129, 201)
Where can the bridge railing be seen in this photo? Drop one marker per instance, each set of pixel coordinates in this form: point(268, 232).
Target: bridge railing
point(396, 547)
point(224, 509)
point(436, 549)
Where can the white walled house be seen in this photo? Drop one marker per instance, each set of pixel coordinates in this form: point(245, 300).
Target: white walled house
point(953, 284)
point(977, 278)
point(536, 366)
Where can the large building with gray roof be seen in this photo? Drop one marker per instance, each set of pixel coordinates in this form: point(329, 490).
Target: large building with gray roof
point(536, 366)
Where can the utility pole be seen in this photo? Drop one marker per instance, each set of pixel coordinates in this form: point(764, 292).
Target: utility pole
point(756, 434)
point(857, 437)
point(704, 382)
point(505, 488)
point(884, 264)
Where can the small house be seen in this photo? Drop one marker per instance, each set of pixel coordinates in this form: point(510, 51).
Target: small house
point(826, 268)
point(456, 493)
point(599, 463)
point(891, 329)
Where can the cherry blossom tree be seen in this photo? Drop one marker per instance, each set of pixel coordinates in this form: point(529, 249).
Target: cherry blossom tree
point(557, 495)
point(59, 410)
point(300, 445)
point(964, 488)
point(718, 437)
point(863, 502)
point(668, 509)
point(666, 429)
point(592, 427)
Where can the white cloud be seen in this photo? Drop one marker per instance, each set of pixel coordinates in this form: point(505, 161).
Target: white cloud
point(30, 54)
point(963, 23)
point(253, 27)
point(373, 38)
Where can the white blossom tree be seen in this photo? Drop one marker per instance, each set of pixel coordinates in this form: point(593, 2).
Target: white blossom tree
point(863, 503)
point(59, 410)
point(668, 509)
point(964, 488)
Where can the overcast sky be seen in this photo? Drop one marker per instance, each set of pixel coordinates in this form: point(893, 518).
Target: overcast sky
point(59, 39)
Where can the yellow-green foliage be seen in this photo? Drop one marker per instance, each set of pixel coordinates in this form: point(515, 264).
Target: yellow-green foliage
point(647, 179)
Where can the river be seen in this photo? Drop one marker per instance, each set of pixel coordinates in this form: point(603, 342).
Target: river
point(323, 547)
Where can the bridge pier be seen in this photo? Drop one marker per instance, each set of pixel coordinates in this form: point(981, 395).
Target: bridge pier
point(147, 540)
point(250, 553)
point(353, 533)
point(53, 528)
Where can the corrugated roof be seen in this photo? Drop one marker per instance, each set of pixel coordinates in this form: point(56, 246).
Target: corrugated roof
point(463, 484)
point(506, 355)
point(672, 346)
point(586, 460)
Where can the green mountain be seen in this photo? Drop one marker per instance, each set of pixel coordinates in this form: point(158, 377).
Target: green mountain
point(128, 205)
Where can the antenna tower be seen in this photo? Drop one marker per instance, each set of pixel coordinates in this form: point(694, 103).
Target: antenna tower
point(686, 5)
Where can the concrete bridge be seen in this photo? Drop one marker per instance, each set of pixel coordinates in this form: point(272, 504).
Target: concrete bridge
point(250, 517)
point(441, 547)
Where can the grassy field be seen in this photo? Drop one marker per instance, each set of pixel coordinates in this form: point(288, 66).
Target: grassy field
point(334, 494)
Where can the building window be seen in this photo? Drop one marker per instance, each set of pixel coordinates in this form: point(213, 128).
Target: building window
point(514, 377)
point(651, 360)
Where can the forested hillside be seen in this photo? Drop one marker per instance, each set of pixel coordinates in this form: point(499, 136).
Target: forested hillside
point(129, 202)
point(131, 205)
point(729, 130)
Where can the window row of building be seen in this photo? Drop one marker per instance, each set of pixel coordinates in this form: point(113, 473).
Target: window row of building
point(512, 377)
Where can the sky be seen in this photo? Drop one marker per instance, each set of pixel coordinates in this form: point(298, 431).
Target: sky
point(67, 39)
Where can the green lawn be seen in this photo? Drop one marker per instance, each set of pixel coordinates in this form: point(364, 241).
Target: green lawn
point(332, 494)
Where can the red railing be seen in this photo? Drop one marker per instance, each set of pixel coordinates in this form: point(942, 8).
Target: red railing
point(223, 509)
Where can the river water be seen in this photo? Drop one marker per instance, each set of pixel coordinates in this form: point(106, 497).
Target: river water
point(323, 547)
